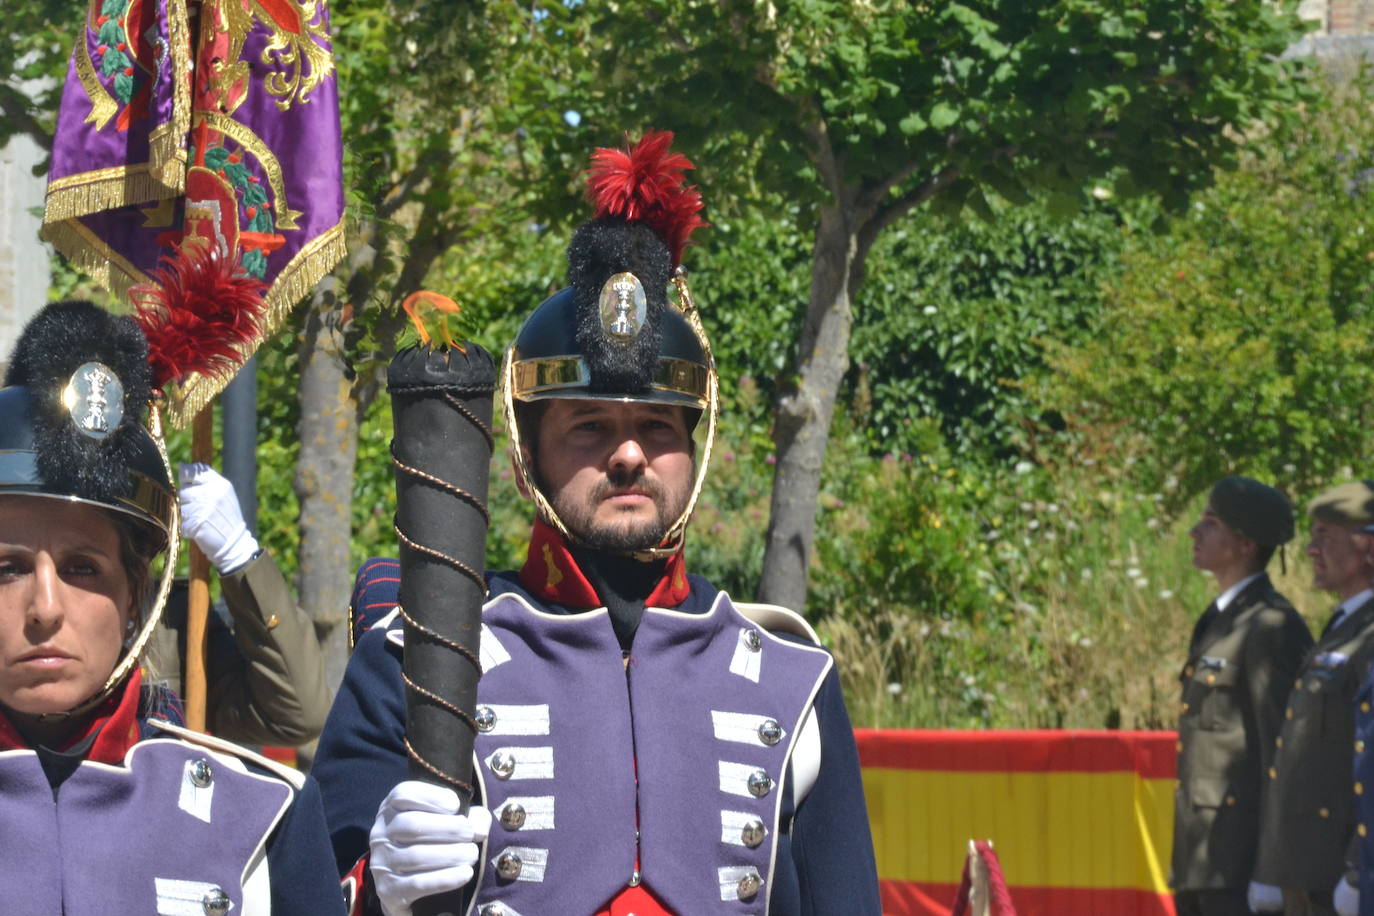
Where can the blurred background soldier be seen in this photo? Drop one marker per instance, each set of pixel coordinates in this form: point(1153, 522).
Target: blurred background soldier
point(1309, 804)
point(265, 680)
point(1354, 894)
point(1245, 651)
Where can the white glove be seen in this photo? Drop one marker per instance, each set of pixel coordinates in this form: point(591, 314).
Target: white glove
point(1346, 898)
point(422, 846)
point(1264, 898)
point(210, 516)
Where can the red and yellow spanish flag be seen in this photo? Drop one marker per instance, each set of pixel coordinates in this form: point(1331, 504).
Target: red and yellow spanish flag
point(1082, 821)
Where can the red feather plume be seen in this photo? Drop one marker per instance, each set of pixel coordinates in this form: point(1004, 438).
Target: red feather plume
point(199, 314)
point(647, 184)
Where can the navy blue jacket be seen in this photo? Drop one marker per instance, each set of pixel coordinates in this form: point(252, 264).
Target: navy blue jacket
point(825, 863)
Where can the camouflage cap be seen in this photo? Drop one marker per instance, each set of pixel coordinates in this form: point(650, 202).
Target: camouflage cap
point(1349, 504)
point(1253, 509)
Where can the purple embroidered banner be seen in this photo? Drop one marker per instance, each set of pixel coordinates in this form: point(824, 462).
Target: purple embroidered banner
point(206, 123)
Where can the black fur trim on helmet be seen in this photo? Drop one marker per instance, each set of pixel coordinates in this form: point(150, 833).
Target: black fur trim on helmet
point(57, 341)
point(600, 249)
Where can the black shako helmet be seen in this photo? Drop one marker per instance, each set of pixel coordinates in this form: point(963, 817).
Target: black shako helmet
point(614, 334)
point(72, 428)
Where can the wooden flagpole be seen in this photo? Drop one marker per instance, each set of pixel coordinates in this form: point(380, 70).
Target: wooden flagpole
point(194, 686)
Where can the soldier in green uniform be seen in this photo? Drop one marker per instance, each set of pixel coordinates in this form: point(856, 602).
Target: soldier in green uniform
point(1309, 803)
point(1245, 651)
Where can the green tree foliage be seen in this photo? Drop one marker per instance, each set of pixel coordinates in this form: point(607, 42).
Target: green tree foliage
point(861, 112)
point(949, 323)
point(1239, 341)
point(33, 56)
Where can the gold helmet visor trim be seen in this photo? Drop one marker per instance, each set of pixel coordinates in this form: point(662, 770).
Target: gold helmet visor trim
point(534, 379)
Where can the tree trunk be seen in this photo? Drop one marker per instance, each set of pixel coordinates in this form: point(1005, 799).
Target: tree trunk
point(802, 424)
point(328, 432)
point(332, 405)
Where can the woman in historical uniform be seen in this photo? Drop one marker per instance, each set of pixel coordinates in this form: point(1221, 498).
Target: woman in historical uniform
point(104, 806)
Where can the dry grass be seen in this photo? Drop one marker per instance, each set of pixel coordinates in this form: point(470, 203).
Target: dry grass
point(1095, 644)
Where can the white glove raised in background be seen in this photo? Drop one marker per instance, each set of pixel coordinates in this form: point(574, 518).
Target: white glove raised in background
point(1264, 898)
point(422, 846)
point(210, 516)
point(1346, 898)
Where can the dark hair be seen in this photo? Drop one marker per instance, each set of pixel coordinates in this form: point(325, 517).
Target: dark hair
point(1263, 554)
point(139, 545)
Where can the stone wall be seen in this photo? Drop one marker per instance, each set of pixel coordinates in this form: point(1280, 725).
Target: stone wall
point(24, 272)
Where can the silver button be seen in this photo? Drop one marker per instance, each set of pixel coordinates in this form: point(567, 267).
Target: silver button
point(513, 816)
point(201, 774)
point(770, 732)
point(486, 719)
point(760, 783)
point(752, 833)
point(635, 878)
point(508, 866)
point(749, 885)
point(752, 640)
point(503, 764)
point(215, 902)
point(492, 909)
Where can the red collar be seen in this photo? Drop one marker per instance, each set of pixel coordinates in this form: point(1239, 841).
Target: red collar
point(115, 726)
point(551, 573)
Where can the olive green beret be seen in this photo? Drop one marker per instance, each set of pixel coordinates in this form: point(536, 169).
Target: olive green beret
point(1348, 504)
point(1253, 509)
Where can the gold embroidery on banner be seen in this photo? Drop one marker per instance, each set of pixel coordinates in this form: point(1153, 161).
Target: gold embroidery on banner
point(223, 28)
point(306, 269)
point(244, 137)
point(297, 51)
point(103, 107)
point(161, 214)
point(164, 175)
point(303, 64)
point(167, 142)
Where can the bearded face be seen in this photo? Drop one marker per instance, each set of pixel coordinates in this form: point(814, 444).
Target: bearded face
point(618, 473)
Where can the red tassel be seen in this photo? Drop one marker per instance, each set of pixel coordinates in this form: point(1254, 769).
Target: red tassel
point(200, 313)
point(647, 184)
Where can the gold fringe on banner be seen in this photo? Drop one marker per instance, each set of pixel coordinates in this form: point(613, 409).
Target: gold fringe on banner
point(307, 268)
point(98, 260)
point(106, 189)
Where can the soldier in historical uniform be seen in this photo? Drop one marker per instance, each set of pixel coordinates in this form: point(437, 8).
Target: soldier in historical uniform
point(1245, 651)
point(104, 806)
point(645, 744)
point(1309, 802)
